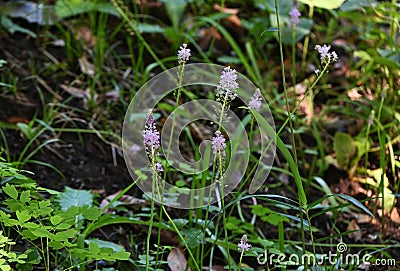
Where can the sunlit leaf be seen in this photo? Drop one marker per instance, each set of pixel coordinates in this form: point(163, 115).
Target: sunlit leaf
point(327, 4)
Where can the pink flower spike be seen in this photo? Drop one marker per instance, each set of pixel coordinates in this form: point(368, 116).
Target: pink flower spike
point(218, 143)
point(294, 15)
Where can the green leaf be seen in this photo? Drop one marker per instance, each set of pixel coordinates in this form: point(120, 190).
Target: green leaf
point(175, 10)
point(27, 130)
point(351, 5)
point(65, 235)
point(269, 5)
point(55, 220)
point(355, 202)
point(274, 218)
point(92, 213)
point(56, 245)
point(300, 31)
point(260, 210)
point(120, 255)
point(150, 28)
point(74, 197)
point(33, 256)
point(23, 216)
point(327, 4)
point(11, 191)
point(44, 208)
point(94, 248)
point(68, 8)
point(43, 232)
point(345, 150)
point(105, 244)
point(12, 27)
point(25, 196)
point(193, 237)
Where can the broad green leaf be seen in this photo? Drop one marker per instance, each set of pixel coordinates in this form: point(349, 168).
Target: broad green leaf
point(327, 4)
point(269, 5)
point(11, 191)
point(300, 31)
point(105, 244)
point(68, 8)
point(74, 197)
point(150, 28)
point(351, 5)
point(345, 150)
point(175, 10)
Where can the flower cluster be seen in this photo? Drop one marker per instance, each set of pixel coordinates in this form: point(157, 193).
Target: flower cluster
point(227, 86)
point(326, 56)
point(294, 15)
point(151, 140)
point(218, 143)
point(255, 101)
point(151, 137)
point(243, 244)
point(183, 54)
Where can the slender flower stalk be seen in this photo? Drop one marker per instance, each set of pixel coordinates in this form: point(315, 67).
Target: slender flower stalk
point(226, 93)
point(151, 140)
point(183, 57)
point(243, 246)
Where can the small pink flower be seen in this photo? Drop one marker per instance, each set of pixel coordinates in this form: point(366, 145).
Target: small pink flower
point(243, 245)
point(255, 102)
point(227, 86)
point(294, 15)
point(183, 54)
point(218, 143)
point(325, 55)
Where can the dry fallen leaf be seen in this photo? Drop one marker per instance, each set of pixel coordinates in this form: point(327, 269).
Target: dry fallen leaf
point(128, 200)
point(84, 34)
point(85, 66)
point(76, 92)
point(234, 19)
point(177, 260)
point(353, 226)
point(394, 216)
